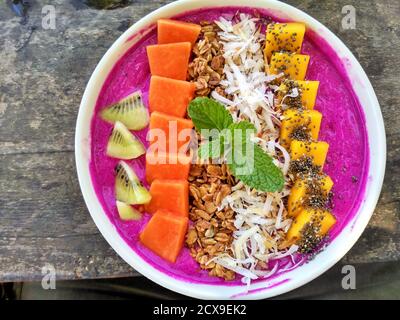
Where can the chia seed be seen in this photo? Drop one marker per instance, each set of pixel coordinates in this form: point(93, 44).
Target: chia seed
point(301, 133)
point(316, 197)
point(293, 102)
point(310, 238)
point(304, 167)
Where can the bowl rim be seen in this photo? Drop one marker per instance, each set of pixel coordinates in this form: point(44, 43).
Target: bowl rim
point(282, 283)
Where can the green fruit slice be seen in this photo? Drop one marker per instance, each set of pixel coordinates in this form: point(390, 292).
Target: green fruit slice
point(128, 188)
point(130, 111)
point(127, 212)
point(123, 144)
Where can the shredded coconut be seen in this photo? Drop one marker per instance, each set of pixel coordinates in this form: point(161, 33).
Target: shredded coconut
point(260, 218)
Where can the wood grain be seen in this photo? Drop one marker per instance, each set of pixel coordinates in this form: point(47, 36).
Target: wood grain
point(42, 77)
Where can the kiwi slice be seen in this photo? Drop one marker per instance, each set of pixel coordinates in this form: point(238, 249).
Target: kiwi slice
point(128, 188)
point(129, 110)
point(127, 212)
point(123, 144)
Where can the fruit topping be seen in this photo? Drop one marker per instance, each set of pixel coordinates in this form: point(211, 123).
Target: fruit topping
point(169, 195)
point(122, 144)
point(293, 66)
point(127, 212)
point(128, 188)
point(164, 234)
point(129, 110)
point(170, 96)
point(170, 31)
point(284, 37)
point(169, 60)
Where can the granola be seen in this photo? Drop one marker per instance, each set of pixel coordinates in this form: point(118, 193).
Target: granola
point(212, 230)
point(206, 69)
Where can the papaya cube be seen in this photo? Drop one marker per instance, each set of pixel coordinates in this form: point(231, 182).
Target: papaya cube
point(169, 166)
point(168, 133)
point(284, 37)
point(293, 66)
point(170, 96)
point(169, 195)
point(303, 122)
point(170, 31)
point(317, 151)
point(300, 191)
point(169, 60)
point(321, 220)
point(164, 234)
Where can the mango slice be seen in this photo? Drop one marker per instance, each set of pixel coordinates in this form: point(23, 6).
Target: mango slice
point(321, 221)
point(309, 90)
point(300, 124)
point(300, 192)
point(294, 66)
point(317, 151)
point(307, 93)
point(284, 37)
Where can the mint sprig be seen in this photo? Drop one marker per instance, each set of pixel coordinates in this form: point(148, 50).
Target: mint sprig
point(261, 174)
point(211, 149)
point(246, 160)
point(208, 114)
point(242, 130)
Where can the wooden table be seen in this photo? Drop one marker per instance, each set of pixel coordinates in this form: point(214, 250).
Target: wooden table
point(42, 77)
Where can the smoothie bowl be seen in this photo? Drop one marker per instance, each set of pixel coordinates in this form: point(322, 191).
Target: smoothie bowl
point(228, 151)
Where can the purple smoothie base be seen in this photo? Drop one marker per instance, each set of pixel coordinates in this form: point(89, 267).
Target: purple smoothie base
point(346, 134)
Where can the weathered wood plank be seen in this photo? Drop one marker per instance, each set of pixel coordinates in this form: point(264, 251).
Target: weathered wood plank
point(42, 77)
point(43, 81)
point(44, 220)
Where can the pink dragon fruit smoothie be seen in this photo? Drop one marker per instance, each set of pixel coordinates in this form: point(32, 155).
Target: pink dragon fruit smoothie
point(343, 127)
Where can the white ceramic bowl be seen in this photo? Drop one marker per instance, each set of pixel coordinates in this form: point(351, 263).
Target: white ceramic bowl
point(286, 281)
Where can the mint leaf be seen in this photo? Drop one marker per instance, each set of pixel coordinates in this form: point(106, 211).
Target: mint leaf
point(245, 159)
point(243, 125)
point(239, 139)
point(258, 171)
point(211, 149)
point(242, 130)
point(209, 114)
